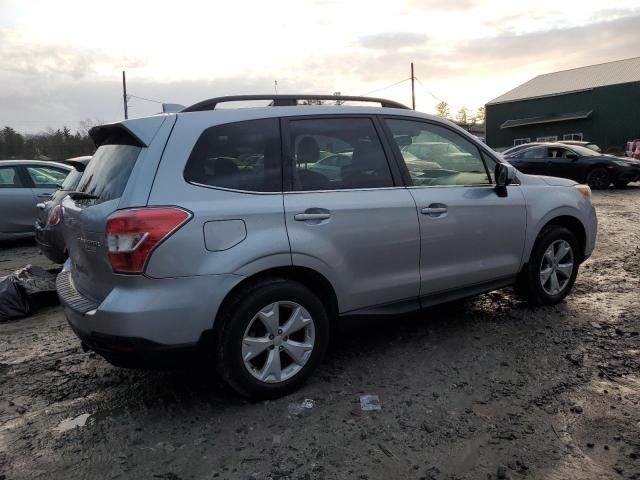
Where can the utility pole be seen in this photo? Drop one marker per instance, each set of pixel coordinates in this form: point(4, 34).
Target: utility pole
point(413, 88)
point(124, 95)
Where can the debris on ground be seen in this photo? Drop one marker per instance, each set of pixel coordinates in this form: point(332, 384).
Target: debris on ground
point(370, 403)
point(301, 407)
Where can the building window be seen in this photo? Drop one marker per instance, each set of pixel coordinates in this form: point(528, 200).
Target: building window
point(572, 136)
point(520, 141)
point(547, 139)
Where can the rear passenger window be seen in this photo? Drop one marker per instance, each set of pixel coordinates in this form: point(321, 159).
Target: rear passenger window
point(46, 177)
point(9, 178)
point(337, 153)
point(241, 156)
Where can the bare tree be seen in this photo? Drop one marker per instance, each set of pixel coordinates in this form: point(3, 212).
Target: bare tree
point(442, 110)
point(463, 115)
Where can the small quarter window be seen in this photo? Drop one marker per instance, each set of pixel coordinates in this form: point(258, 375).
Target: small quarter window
point(240, 156)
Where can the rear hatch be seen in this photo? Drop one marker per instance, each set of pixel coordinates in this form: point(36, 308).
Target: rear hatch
point(70, 183)
point(104, 182)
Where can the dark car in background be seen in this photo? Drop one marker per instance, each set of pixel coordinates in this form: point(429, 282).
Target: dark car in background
point(577, 163)
point(48, 236)
point(524, 146)
point(24, 183)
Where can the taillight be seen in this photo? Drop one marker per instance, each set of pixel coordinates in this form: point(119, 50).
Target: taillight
point(132, 234)
point(55, 216)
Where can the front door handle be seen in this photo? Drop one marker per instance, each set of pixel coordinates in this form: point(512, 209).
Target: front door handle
point(301, 217)
point(435, 210)
point(44, 195)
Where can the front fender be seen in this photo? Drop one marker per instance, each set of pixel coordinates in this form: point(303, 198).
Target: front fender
point(548, 203)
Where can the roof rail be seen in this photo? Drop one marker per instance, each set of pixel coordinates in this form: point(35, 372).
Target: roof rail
point(288, 101)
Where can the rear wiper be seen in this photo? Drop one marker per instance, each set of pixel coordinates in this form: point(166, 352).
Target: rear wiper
point(82, 195)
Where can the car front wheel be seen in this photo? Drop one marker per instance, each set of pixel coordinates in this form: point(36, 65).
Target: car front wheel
point(273, 335)
point(552, 268)
point(598, 179)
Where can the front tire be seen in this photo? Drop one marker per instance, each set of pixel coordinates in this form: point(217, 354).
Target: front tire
point(272, 335)
point(552, 268)
point(598, 179)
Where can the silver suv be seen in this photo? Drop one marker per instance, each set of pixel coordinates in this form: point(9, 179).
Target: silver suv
point(211, 232)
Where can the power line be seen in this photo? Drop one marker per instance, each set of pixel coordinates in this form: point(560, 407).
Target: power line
point(384, 88)
point(143, 98)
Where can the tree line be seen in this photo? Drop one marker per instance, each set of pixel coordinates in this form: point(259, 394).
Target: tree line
point(464, 115)
point(52, 144)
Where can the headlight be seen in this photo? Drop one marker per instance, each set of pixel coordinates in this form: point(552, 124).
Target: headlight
point(622, 163)
point(585, 190)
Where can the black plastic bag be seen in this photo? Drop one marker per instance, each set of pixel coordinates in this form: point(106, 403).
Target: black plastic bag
point(13, 301)
point(24, 290)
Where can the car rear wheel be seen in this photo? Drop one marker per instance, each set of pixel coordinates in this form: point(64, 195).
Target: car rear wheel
point(552, 268)
point(598, 179)
point(272, 336)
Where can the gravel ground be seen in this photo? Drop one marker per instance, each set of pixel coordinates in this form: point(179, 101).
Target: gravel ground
point(487, 388)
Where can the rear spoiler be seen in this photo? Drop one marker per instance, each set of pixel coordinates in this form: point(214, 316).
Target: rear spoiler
point(138, 132)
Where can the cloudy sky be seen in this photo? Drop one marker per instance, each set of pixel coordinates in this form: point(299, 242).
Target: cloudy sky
point(61, 61)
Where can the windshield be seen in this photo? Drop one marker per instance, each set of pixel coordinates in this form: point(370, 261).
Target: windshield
point(108, 172)
point(583, 151)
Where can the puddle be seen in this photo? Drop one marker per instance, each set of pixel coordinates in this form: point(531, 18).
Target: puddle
point(71, 423)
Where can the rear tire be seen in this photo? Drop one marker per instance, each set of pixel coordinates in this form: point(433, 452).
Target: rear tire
point(260, 330)
point(552, 268)
point(598, 179)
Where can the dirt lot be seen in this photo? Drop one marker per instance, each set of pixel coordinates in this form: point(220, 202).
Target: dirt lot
point(485, 388)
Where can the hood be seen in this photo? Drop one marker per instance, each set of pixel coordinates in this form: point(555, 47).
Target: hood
point(542, 180)
point(558, 182)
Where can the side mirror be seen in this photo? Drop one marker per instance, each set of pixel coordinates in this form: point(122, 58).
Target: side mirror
point(504, 175)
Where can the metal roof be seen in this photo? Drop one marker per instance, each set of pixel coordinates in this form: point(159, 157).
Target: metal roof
point(550, 118)
point(575, 80)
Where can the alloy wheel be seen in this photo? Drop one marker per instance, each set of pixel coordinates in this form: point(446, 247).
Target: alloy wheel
point(556, 267)
point(278, 342)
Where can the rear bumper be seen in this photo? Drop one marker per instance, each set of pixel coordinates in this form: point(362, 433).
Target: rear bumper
point(130, 352)
point(143, 321)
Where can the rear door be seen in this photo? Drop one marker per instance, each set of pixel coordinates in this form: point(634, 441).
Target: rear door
point(470, 236)
point(45, 180)
point(17, 202)
point(358, 225)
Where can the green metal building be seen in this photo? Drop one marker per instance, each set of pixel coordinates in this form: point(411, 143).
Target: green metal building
point(598, 103)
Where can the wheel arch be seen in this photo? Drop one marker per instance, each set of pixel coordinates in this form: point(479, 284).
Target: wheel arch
point(570, 222)
point(313, 280)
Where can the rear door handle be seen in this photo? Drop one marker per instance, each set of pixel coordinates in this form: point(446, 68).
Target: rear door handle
point(44, 195)
point(435, 210)
point(301, 217)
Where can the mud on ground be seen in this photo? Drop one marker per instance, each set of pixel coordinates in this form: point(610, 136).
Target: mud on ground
point(485, 388)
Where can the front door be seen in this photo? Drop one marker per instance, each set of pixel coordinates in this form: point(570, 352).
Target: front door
point(564, 163)
point(17, 202)
point(355, 224)
point(470, 237)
